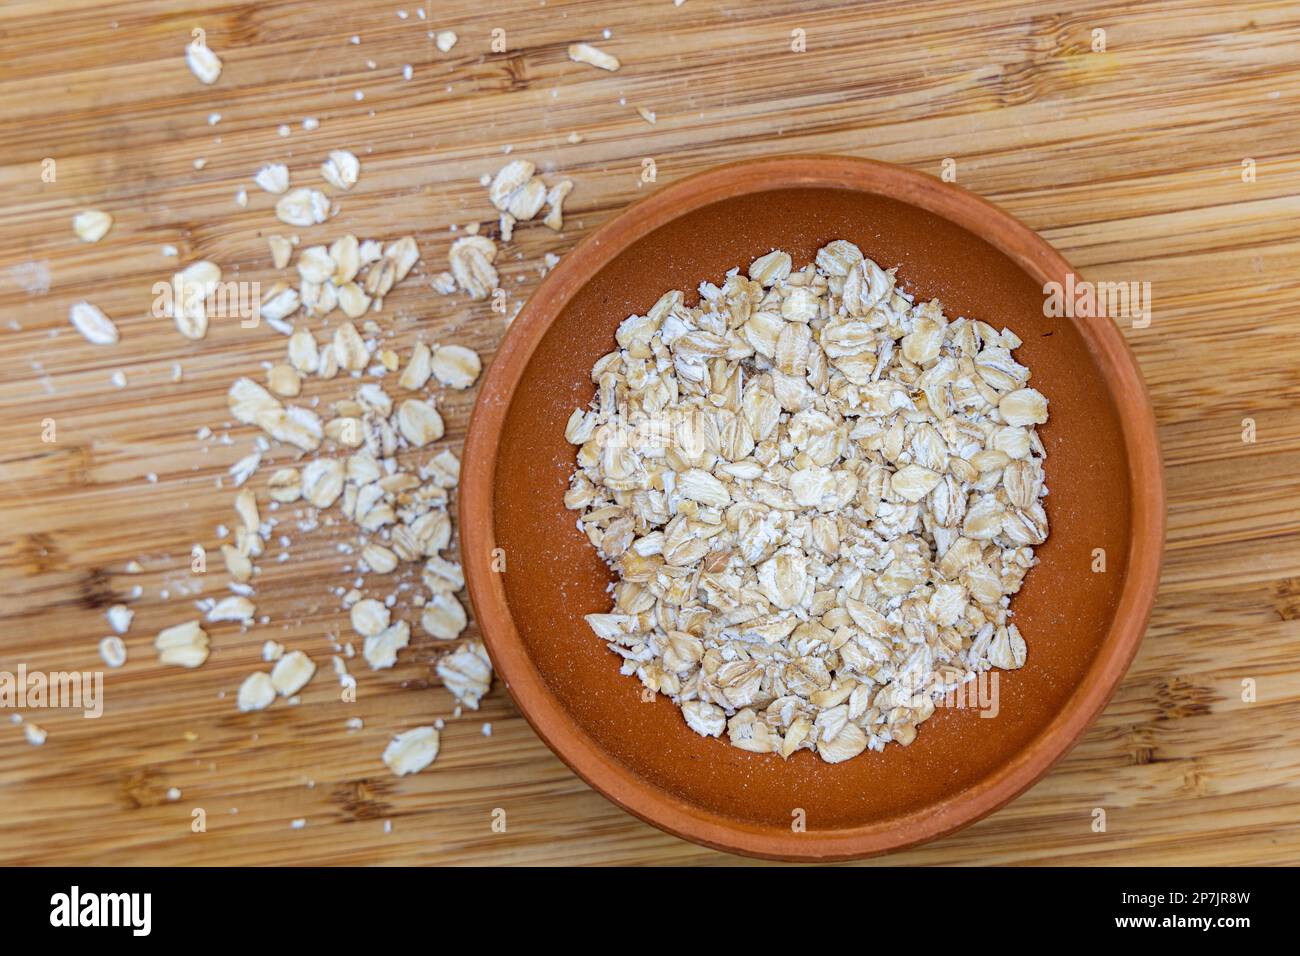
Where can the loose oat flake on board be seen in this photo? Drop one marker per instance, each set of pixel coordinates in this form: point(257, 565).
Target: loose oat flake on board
point(818, 494)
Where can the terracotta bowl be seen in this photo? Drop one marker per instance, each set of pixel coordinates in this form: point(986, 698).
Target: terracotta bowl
point(1082, 627)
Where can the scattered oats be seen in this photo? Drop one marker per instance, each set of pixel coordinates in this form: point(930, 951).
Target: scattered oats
point(237, 563)
point(471, 259)
point(241, 198)
point(647, 115)
point(214, 119)
point(232, 608)
point(443, 617)
point(353, 301)
point(418, 368)
point(291, 673)
point(345, 431)
point(256, 692)
point(243, 469)
point(249, 401)
point(184, 645)
point(191, 288)
point(281, 250)
point(407, 71)
point(455, 366)
point(555, 200)
point(445, 40)
point(203, 63)
point(170, 251)
point(350, 349)
point(284, 380)
point(304, 353)
point(586, 53)
point(310, 123)
point(345, 254)
point(284, 131)
point(509, 180)
point(272, 651)
point(315, 264)
point(443, 469)
point(113, 651)
point(527, 201)
point(380, 559)
point(280, 302)
point(442, 576)
point(575, 138)
point(419, 422)
point(404, 254)
point(341, 170)
point(328, 363)
point(246, 508)
point(444, 283)
point(118, 379)
point(369, 617)
point(322, 481)
point(467, 673)
point(273, 178)
point(854, 501)
point(119, 618)
point(380, 650)
point(297, 824)
point(200, 163)
point(303, 207)
point(93, 324)
point(412, 751)
point(91, 225)
point(35, 735)
point(285, 485)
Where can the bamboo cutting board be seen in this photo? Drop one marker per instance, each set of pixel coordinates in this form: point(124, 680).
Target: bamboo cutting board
point(1161, 149)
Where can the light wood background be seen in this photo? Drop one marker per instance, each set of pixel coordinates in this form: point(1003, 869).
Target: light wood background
point(1129, 160)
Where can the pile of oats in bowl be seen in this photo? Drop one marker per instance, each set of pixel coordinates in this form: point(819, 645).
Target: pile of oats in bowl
point(818, 495)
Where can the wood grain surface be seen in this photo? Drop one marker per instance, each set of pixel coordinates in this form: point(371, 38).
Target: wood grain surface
point(1129, 160)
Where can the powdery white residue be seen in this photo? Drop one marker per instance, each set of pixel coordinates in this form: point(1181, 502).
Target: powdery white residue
point(32, 277)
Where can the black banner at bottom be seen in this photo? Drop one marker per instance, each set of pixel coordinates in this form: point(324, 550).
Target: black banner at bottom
point(335, 905)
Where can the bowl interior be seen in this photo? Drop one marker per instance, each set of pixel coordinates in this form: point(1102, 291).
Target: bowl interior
point(554, 576)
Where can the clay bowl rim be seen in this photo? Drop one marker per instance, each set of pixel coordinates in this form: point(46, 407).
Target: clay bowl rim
point(544, 711)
